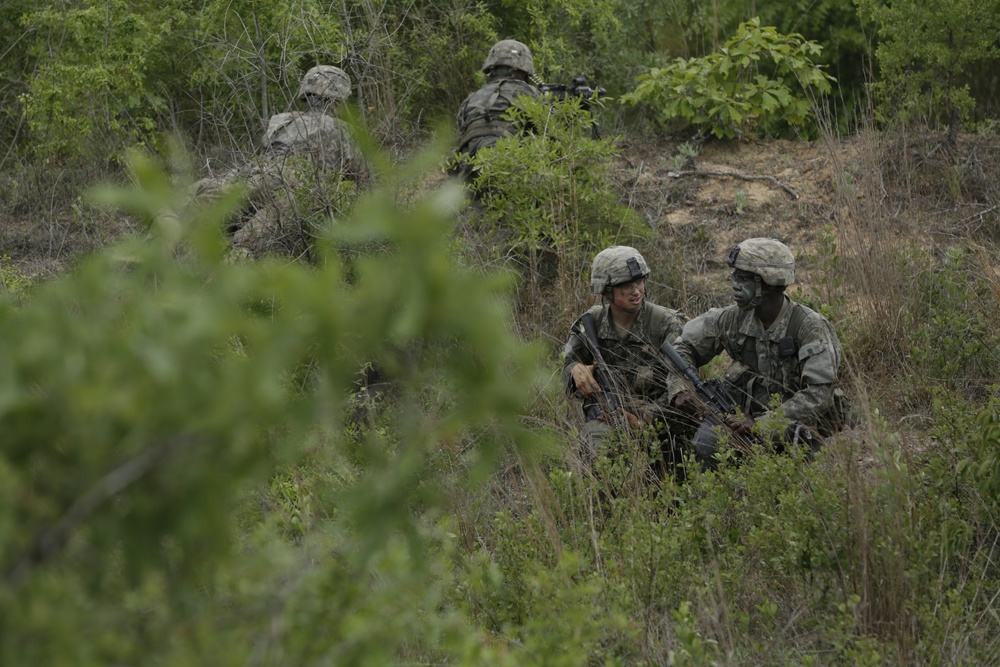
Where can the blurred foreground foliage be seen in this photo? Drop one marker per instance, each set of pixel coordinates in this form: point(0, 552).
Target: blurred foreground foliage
point(181, 474)
point(191, 473)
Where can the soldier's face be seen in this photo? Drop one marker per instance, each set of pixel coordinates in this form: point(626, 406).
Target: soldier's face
point(629, 297)
point(744, 287)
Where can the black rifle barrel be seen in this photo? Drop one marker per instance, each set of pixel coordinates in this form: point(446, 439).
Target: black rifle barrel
point(682, 366)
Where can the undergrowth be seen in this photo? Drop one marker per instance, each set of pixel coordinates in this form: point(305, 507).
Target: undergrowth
point(445, 517)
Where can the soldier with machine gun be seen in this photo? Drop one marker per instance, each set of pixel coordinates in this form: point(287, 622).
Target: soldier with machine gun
point(511, 72)
point(778, 348)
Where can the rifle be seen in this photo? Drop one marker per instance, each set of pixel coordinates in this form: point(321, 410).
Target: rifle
point(720, 402)
point(603, 375)
point(580, 87)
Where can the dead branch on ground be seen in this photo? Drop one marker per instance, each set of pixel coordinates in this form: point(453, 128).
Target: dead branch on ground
point(734, 174)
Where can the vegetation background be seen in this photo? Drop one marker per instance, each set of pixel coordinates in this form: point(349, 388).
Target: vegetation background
point(193, 469)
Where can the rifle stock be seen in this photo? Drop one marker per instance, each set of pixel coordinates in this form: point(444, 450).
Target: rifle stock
point(602, 374)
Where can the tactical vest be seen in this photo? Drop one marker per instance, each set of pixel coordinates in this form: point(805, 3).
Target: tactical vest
point(838, 415)
point(482, 113)
point(792, 332)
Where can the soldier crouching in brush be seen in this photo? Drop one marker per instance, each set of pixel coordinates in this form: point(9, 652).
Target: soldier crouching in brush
point(611, 363)
point(481, 122)
point(777, 346)
point(298, 146)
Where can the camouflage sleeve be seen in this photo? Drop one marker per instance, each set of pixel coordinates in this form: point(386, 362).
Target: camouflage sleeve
point(672, 326)
point(530, 91)
point(699, 342)
point(460, 117)
point(575, 351)
point(819, 361)
point(355, 163)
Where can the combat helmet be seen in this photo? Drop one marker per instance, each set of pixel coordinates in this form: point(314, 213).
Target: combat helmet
point(616, 265)
point(326, 82)
point(510, 53)
point(768, 258)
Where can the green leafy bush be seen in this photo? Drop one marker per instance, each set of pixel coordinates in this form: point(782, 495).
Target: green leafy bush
point(953, 341)
point(925, 53)
point(92, 87)
point(547, 201)
point(760, 81)
point(149, 400)
point(13, 282)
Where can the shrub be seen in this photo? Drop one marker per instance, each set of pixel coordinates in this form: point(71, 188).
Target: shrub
point(92, 86)
point(545, 201)
point(759, 81)
point(148, 401)
point(926, 51)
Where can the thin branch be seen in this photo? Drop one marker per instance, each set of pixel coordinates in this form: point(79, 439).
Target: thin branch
point(734, 174)
point(53, 538)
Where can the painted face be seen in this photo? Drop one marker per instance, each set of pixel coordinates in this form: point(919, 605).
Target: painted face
point(744, 288)
point(629, 297)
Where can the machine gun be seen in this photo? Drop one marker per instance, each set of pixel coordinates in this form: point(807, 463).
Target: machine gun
point(580, 87)
point(714, 395)
point(612, 401)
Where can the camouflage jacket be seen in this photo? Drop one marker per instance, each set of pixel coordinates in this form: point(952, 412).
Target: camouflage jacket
point(803, 373)
point(479, 117)
point(639, 373)
point(328, 140)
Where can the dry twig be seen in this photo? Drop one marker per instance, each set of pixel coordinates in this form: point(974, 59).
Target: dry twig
point(735, 174)
point(53, 538)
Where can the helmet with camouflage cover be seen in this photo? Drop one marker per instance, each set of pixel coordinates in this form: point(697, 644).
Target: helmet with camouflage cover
point(327, 82)
point(510, 53)
point(768, 258)
point(616, 265)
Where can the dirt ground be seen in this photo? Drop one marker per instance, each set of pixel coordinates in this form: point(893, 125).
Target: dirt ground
point(757, 184)
point(724, 192)
point(707, 199)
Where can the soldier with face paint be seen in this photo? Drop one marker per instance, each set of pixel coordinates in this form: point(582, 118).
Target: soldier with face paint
point(629, 331)
point(777, 347)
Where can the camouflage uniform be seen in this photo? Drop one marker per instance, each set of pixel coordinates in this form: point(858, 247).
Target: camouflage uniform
point(804, 378)
point(300, 150)
point(480, 122)
point(639, 375)
point(633, 360)
point(325, 139)
point(797, 358)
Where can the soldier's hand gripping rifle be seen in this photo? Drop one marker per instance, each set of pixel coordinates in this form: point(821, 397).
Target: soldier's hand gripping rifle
point(611, 401)
point(714, 395)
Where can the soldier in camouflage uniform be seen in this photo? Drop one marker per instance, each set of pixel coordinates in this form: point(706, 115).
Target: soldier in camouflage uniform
point(315, 132)
point(299, 149)
point(630, 330)
point(508, 67)
point(777, 347)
